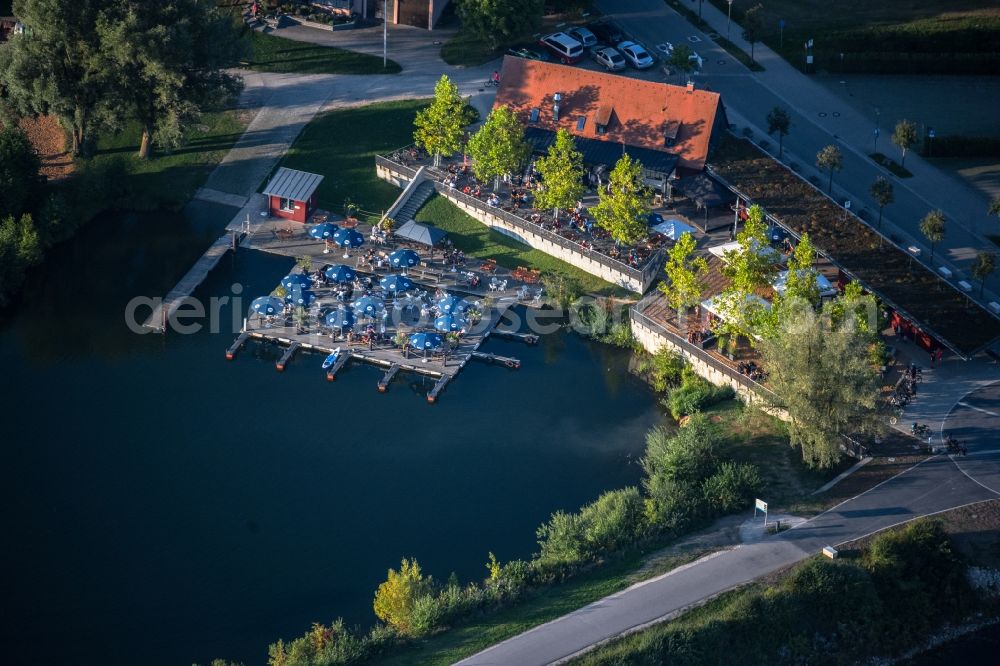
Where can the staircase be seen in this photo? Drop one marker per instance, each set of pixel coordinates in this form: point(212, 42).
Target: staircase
point(417, 199)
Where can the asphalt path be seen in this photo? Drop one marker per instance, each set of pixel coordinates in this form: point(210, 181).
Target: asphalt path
point(930, 487)
point(975, 421)
point(821, 118)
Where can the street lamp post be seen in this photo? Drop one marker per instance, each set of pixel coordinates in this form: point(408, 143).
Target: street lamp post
point(729, 17)
point(878, 115)
point(385, 34)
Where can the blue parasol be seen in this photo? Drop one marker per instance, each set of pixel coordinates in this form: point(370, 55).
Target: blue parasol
point(302, 297)
point(342, 318)
point(324, 231)
point(426, 340)
point(348, 238)
point(452, 305)
point(396, 283)
point(295, 281)
point(267, 305)
point(448, 323)
point(340, 273)
point(369, 305)
point(404, 258)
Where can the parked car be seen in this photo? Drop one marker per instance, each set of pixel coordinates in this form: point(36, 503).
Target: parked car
point(696, 59)
point(528, 52)
point(584, 36)
point(606, 31)
point(563, 47)
point(636, 55)
point(609, 58)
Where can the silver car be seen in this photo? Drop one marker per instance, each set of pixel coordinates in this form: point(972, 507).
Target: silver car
point(636, 55)
point(609, 58)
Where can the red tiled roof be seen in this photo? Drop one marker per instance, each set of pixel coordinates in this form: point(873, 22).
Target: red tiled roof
point(636, 112)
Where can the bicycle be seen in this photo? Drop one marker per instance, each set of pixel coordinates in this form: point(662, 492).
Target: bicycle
point(492, 83)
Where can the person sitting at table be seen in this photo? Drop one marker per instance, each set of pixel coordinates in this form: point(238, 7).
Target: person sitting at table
point(494, 200)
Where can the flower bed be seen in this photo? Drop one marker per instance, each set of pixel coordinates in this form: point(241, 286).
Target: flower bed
point(887, 270)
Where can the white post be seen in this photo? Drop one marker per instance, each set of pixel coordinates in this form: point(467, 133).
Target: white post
point(385, 34)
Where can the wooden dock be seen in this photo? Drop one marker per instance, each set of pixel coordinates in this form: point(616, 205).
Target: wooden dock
point(235, 347)
point(496, 359)
point(287, 356)
point(383, 385)
point(437, 388)
point(527, 338)
point(341, 361)
point(192, 279)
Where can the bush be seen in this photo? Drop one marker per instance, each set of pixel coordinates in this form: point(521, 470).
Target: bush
point(427, 615)
point(20, 248)
point(961, 146)
point(732, 487)
point(563, 541)
point(396, 598)
point(614, 521)
point(695, 394)
point(666, 369)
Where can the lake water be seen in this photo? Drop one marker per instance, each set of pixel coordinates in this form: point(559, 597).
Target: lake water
point(163, 506)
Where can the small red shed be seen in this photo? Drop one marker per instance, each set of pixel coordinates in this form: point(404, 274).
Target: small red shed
point(291, 194)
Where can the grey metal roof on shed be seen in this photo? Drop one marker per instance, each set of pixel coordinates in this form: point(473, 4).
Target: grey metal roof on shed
point(292, 184)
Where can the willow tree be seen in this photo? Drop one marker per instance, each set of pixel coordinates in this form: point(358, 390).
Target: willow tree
point(498, 149)
point(562, 173)
point(821, 372)
point(167, 61)
point(685, 273)
point(441, 126)
point(59, 69)
point(624, 206)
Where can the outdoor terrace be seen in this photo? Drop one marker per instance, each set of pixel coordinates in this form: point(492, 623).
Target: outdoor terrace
point(573, 238)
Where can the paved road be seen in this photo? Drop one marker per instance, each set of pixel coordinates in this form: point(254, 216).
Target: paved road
point(975, 421)
point(820, 118)
point(930, 487)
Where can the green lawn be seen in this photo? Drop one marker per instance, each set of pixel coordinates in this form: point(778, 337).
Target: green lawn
point(342, 146)
point(917, 36)
point(277, 54)
point(548, 604)
point(166, 179)
point(477, 240)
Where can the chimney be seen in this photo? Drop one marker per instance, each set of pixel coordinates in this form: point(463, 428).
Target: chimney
point(690, 86)
point(556, 98)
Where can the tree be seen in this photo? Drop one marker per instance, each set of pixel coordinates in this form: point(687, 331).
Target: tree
point(395, 598)
point(680, 59)
point(821, 373)
point(498, 22)
point(802, 283)
point(830, 159)
point(933, 227)
point(753, 27)
point(994, 208)
point(562, 172)
point(498, 148)
point(904, 137)
point(623, 207)
point(881, 191)
point(20, 248)
point(440, 127)
point(684, 286)
point(19, 180)
point(779, 121)
point(59, 69)
point(166, 60)
point(749, 268)
point(983, 266)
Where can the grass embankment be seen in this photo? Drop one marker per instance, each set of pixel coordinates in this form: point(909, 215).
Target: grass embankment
point(886, 594)
point(918, 37)
point(359, 134)
point(479, 241)
point(277, 54)
point(166, 180)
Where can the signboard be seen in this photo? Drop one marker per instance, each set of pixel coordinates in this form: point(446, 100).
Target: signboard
point(761, 505)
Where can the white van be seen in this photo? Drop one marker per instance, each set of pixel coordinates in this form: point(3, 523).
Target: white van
point(564, 47)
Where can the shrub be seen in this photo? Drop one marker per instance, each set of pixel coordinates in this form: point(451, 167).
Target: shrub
point(563, 540)
point(396, 598)
point(732, 487)
point(427, 614)
point(688, 455)
point(665, 370)
point(20, 248)
point(695, 394)
point(614, 521)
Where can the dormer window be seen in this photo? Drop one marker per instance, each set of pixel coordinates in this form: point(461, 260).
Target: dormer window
point(603, 118)
point(670, 131)
point(533, 116)
point(580, 122)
